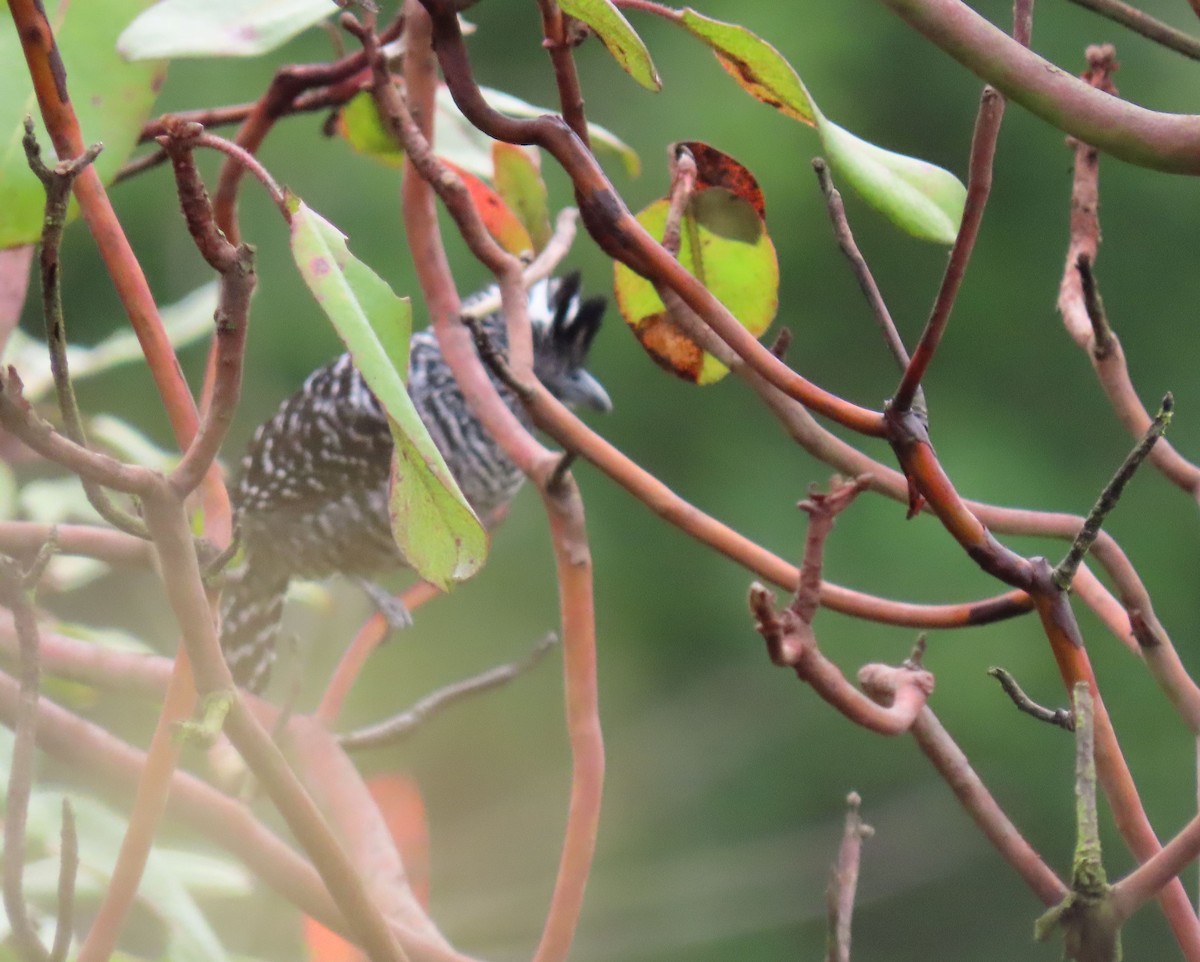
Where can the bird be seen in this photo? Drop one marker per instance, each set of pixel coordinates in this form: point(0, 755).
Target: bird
point(310, 497)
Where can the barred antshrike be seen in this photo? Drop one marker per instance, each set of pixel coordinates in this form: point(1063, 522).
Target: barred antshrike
point(311, 499)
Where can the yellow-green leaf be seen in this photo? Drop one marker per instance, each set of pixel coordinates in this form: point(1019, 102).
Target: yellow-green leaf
point(519, 183)
point(760, 69)
point(919, 197)
point(724, 244)
point(618, 37)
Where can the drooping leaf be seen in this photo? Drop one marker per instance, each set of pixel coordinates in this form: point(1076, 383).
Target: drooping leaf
point(499, 219)
point(434, 526)
point(621, 40)
point(758, 67)
point(219, 28)
point(714, 168)
point(919, 197)
point(519, 183)
point(724, 244)
point(112, 99)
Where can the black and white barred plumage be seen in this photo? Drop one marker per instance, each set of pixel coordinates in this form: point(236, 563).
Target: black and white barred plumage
point(311, 498)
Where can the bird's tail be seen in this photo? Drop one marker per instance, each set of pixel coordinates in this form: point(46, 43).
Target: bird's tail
point(251, 609)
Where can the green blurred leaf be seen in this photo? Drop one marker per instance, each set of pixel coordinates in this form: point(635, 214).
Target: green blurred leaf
point(724, 244)
point(434, 526)
point(164, 884)
point(360, 125)
point(760, 69)
point(472, 149)
point(917, 196)
point(620, 39)
point(112, 99)
point(186, 321)
point(519, 183)
point(219, 28)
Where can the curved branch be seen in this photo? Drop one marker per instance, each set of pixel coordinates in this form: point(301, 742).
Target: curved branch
point(1160, 141)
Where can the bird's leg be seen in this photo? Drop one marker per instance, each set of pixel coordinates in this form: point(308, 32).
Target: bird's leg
point(394, 611)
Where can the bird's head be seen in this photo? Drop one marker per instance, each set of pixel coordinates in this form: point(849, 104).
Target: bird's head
point(564, 326)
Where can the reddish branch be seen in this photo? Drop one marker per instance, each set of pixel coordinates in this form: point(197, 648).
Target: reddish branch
point(952, 764)
point(1083, 315)
point(424, 176)
point(896, 695)
point(843, 881)
point(979, 186)
point(1159, 141)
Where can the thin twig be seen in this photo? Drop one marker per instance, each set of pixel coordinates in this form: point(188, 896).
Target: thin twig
point(57, 183)
point(1062, 717)
point(15, 595)
point(405, 723)
point(68, 869)
point(858, 264)
point(1065, 572)
point(955, 768)
point(843, 882)
point(1142, 23)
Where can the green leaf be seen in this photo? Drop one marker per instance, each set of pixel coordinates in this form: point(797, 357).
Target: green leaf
point(219, 28)
point(917, 196)
point(920, 198)
point(112, 99)
point(186, 321)
point(618, 37)
point(360, 125)
point(100, 832)
point(519, 183)
point(724, 244)
point(434, 526)
point(760, 69)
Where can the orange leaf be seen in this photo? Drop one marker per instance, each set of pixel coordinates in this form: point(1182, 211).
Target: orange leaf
point(504, 226)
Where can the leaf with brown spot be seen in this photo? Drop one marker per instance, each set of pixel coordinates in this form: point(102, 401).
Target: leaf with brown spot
point(714, 168)
point(723, 243)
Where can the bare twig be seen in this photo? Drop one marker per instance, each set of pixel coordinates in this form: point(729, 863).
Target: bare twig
point(843, 882)
point(954, 767)
point(1142, 23)
point(57, 183)
point(405, 723)
point(1062, 717)
point(15, 595)
point(1065, 572)
point(858, 264)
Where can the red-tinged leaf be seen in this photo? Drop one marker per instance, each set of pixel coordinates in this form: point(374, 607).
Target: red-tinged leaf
point(724, 244)
point(717, 169)
point(519, 183)
point(325, 945)
point(504, 225)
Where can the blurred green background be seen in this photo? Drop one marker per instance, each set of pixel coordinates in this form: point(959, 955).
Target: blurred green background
point(726, 777)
